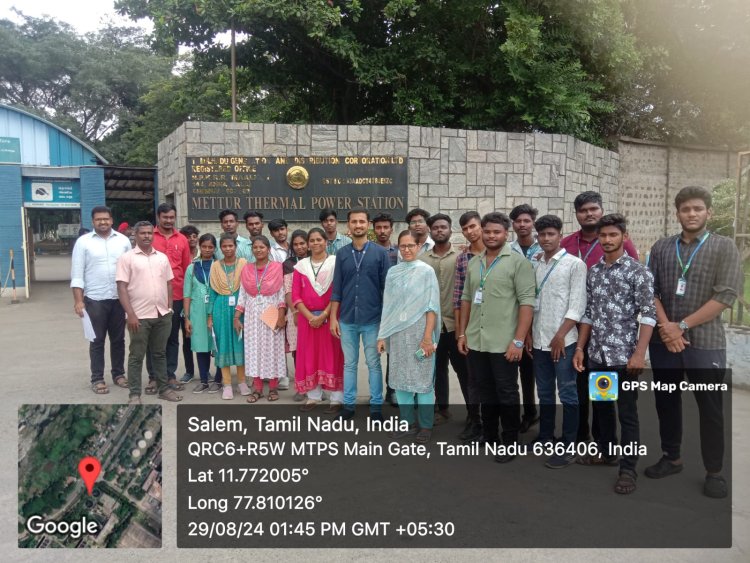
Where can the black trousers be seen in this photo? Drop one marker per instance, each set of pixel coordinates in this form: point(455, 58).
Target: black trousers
point(699, 366)
point(447, 351)
point(582, 387)
point(108, 318)
point(526, 370)
point(497, 379)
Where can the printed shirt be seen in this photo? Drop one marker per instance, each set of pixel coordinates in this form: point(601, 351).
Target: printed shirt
point(462, 264)
point(508, 285)
point(615, 296)
point(445, 270)
point(714, 273)
point(562, 296)
point(576, 246)
point(147, 276)
point(333, 246)
point(392, 251)
point(94, 264)
point(177, 250)
point(360, 290)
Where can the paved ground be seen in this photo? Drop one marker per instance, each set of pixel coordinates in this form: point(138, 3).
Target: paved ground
point(46, 361)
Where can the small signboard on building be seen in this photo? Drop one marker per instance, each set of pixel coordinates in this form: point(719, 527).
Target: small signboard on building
point(10, 149)
point(39, 192)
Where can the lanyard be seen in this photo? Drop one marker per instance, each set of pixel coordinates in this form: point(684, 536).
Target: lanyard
point(589, 251)
point(205, 274)
point(539, 289)
point(258, 283)
point(482, 275)
point(686, 267)
point(315, 274)
point(230, 284)
point(357, 265)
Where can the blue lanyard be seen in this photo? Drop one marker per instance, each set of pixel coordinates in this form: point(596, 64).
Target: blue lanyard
point(686, 267)
point(257, 282)
point(539, 290)
point(589, 251)
point(482, 276)
point(205, 274)
point(357, 265)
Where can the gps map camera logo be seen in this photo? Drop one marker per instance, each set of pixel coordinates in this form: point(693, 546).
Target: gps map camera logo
point(603, 386)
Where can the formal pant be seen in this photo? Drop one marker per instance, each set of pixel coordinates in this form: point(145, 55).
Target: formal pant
point(152, 335)
point(526, 371)
point(447, 351)
point(204, 367)
point(187, 352)
point(173, 344)
point(582, 386)
point(497, 379)
point(699, 366)
point(108, 318)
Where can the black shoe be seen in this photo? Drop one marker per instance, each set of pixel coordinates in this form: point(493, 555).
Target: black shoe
point(346, 414)
point(467, 432)
point(474, 434)
point(527, 423)
point(390, 398)
point(376, 416)
point(715, 486)
point(662, 468)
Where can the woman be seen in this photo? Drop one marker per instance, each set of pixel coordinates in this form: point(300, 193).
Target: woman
point(262, 298)
point(410, 321)
point(225, 288)
point(320, 362)
point(299, 251)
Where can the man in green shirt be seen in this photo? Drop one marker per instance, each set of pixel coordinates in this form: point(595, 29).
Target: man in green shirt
point(497, 308)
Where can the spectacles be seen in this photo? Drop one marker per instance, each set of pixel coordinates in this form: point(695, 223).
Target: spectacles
point(417, 223)
point(407, 246)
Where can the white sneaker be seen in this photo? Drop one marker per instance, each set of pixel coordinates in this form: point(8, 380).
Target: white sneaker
point(244, 389)
point(283, 383)
point(227, 394)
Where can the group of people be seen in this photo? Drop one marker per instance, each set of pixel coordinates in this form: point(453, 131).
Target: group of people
point(545, 308)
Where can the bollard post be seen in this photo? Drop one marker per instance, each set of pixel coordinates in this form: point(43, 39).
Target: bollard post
point(14, 299)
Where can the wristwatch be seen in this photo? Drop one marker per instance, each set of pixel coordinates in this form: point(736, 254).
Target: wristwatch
point(518, 344)
point(683, 326)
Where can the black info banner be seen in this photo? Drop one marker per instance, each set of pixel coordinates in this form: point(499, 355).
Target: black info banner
point(295, 187)
point(270, 476)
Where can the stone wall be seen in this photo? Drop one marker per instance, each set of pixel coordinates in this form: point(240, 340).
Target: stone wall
point(450, 170)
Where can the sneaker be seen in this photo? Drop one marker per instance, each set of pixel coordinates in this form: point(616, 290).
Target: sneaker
point(662, 468)
point(283, 383)
point(227, 394)
point(715, 486)
point(200, 388)
point(187, 378)
point(299, 397)
point(474, 434)
point(214, 387)
point(560, 461)
point(244, 389)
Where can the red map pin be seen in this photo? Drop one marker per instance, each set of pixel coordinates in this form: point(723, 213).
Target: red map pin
point(89, 468)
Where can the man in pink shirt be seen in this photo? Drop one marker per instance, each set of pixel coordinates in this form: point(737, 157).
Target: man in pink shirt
point(144, 286)
point(175, 245)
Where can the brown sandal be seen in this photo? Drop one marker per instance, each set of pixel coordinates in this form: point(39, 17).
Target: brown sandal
point(254, 397)
point(273, 395)
point(625, 484)
point(307, 407)
point(99, 388)
point(122, 381)
point(597, 460)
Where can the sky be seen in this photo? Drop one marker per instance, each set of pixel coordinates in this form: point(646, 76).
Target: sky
point(84, 17)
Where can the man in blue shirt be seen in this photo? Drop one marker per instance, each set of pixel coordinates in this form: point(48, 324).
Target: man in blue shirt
point(356, 306)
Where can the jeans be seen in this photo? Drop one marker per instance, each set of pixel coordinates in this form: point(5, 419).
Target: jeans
point(699, 366)
point(526, 370)
point(548, 372)
point(627, 412)
point(447, 350)
point(497, 379)
point(173, 344)
point(107, 317)
point(152, 334)
point(350, 338)
point(423, 415)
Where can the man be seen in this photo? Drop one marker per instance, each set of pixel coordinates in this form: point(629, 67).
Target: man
point(496, 313)
point(560, 305)
point(229, 223)
point(335, 241)
point(168, 241)
point(356, 306)
point(585, 245)
point(696, 276)
point(471, 228)
point(523, 217)
point(618, 289)
point(416, 219)
point(144, 284)
point(442, 258)
point(383, 226)
point(92, 276)
point(253, 223)
point(191, 233)
point(280, 250)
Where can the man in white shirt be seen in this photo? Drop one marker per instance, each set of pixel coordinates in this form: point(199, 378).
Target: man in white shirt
point(92, 274)
point(560, 304)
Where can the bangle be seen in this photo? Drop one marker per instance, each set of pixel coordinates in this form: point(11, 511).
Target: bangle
point(579, 348)
point(461, 336)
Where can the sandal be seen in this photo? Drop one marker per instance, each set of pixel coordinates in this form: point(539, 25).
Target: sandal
point(273, 395)
point(255, 397)
point(175, 385)
point(151, 388)
point(121, 381)
point(171, 396)
point(597, 460)
point(99, 388)
point(423, 436)
point(625, 484)
point(307, 407)
point(334, 408)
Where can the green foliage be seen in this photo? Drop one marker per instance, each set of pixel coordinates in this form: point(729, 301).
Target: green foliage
point(723, 205)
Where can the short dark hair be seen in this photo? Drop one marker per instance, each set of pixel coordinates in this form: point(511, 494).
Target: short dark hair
point(276, 224)
point(496, 217)
point(417, 211)
point(227, 236)
point(207, 237)
point(188, 230)
point(165, 208)
point(326, 213)
point(613, 220)
point(140, 225)
point(249, 214)
point(318, 230)
point(383, 218)
point(358, 210)
point(692, 192)
point(468, 216)
point(523, 209)
point(402, 234)
point(261, 238)
point(226, 212)
point(548, 222)
point(299, 233)
point(439, 217)
point(587, 197)
point(101, 209)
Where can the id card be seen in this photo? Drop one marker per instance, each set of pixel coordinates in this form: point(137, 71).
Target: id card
point(536, 305)
point(232, 301)
point(205, 299)
point(478, 297)
point(681, 287)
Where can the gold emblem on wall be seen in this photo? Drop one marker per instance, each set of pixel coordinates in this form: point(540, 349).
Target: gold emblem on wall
point(297, 177)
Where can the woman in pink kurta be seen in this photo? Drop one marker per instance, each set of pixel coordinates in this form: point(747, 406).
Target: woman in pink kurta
point(320, 362)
